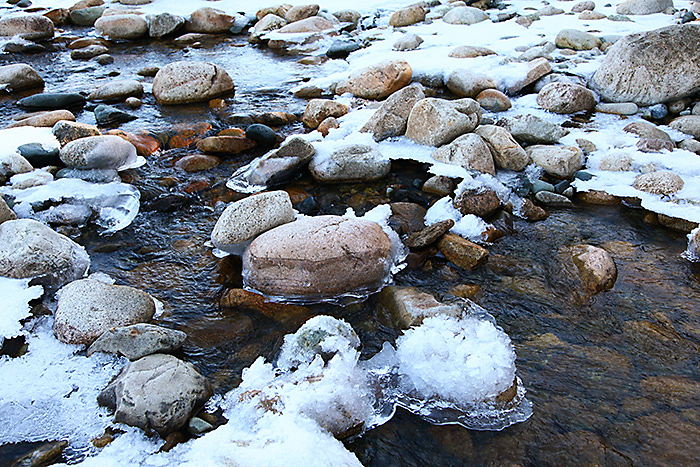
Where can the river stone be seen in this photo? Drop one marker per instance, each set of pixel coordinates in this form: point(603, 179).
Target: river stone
point(464, 15)
point(553, 199)
point(506, 152)
point(408, 306)
point(280, 164)
point(481, 202)
point(559, 161)
point(566, 98)
point(652, 145)
point(470, 51)
point(439, 185)
point(429, 235)
point(595, 266)
point(659, 183)
point(52, 101)
point(321, 256)
point(6, 214)
point(647, 130)
point(249, 217)
point(327, 125)
point(622, 108)
point(163, 24)
point(348, 16)
point(460, 251)
point(44, 119)
point(688, 124)
point(31, 249)
point(536, 69)
point(138, 340)
point(86, 16)
point(107, 115)
point(29, 27)
point(263, 135)
point(689, 144)
point(225, 144)
point(493, 100)
point(313, 24)
point(39, 156)
point(576, 40)
point(465, 83)
point(209, 21)
point(121, 27)
point(117, 90)
point(143, 395)
point(67, 131)
point(18, 77)
point(98, 152)
point(268, 23)
point(11, 164)
point(91, 51)
point(342, 48)
point(530, 129)
point(651, 67)
point(407, 42)
point(469, 151)
point(188, 82)
point(351, 163)
point(391, 118)
point(407, 16)
point(377, 81)
point(299, 12)
point(643, 7)
point(585, 5)
point(435, 122)
point(317, 110)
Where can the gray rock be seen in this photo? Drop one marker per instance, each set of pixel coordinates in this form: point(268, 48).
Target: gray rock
point(342, 48)
point(646, 130)
point(352, 163)
point(435, 122)
point(138, 340)
point(470, 51)
point(106, 115)
point(188, 82)
point(12, 164)
point(464, 15)
point(688, 124)
point(391, 118)
point(87, 16)
point(408, 306)
point(117, 90)
point(530, 129)
point(623, 108)
point(549, 10)
point(659, 183)
point(654, 145)
point(209, 21)
point(553, 199)
point(560, 161)
point(6, 214)
point(469, 151)
point(249, 217)
point(66, 131)
point(585, 5)
point(91, 51)
point(465, 83)
point(31, 249)
point(163, 24)
point(29, 27)
point(576, 40)
point(643, 7)
point(407, 42)
point(98, 152)
point(616, 162)
point(275, 166)
point(121, 27)
point(566, 98)
point(439, 185)
point(18, 77)
point(143, 396)
point(507, 153)
point(691, 145)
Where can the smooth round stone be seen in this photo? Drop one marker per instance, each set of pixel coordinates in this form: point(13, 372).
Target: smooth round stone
point(659, 183)
point(86, 53)
point(52, 101)
point(19, 76)
point(98, 152)
point(623, 108)
point(493, 100)
point(189, 82)
point(197, 163)
point(341, 49)
point(138, 340)
point(565, 98)
point(261, 134)
point(352, 163)
point(38, 156)
point(117, 90)
point(122, 27)
point(108, 115)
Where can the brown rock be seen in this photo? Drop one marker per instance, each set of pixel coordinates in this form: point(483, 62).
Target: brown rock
point(408, 306)
point(493, 100)
point(675, 223)
point(317, 110)
point(240, 298)
point(407, 218)
point(470, 51)
point(532, 212)
point(197, 163)
point(481, 202)
point(209, 21)
point(647, 130)
point(407, 16)
point(299, 12)
point(537, 68)
point(67, 131)
point(462, 252)
point(145, 145)
point(595, 266)
point(225, 144)
point(6, 214)
point(598, 197)
point(327, 125)
point(58, 16)
point(654, 145)
point(429, 235)
point(313, 24)
point(465, 290)
point(188, 82)
point(188, 135)
point(439, 185)
point(566, 98)
point(44, 119)
point(377, 81)
point(469, 151)
point(506, 152)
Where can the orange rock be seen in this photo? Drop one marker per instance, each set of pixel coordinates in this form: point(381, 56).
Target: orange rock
point(187, 135)
point(232, 132)
point(217, 104)
point(197, 185)
point(197, 162)
point(225, 144)
point(297, 195)
point(145, 144)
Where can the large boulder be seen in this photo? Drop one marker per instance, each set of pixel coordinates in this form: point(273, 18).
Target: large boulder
point(531, 129)
point(469, 151)
point(209, 21)
point(465, 15)
point(651, 67)
point(31, 249)
point(163, 24)
point(566, 98)
point(18, 77)
point(559, 161)
point(138, 340)
point(435, 122)
point(29, 27)
point(506, 152)
point(351, 163)
point(662, 182)
point(643, 7)
point(122, 27)
point(98, 152)
point(377, 81)
point(391, 118)
point(466, 83)
point(317, 257)
point(143, 395)
point(188, 82)
point(87, 308)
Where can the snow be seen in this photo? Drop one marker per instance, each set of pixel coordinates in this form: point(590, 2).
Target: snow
point(16, 295)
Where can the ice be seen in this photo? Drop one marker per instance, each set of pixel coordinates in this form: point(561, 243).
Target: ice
point(16, 295)
point(12, 138)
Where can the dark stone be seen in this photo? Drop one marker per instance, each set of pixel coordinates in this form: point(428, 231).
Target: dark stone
point(87, 16)
point(583, 175)
point(104, 59)
point(262, 134)
point(407, 218)
point(341, 49)
point(23, 47)
point(108, 115)
point(561, 186)
point(688, 17)
point(429, 235)
point(309, 206)
point(480, 202)
point(52, 101)
point(38, 156)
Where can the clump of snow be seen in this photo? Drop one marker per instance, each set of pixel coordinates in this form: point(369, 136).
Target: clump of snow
point(12, 138)
point(469, 226)
point(16, 295)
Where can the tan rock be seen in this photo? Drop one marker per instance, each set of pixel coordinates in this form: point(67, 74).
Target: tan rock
point(462, 252)
point(595, 266)
point(659, 183)
point(44, 119)
point(506, 152)
point(435, 122)
point(407, 16)
point(377, 81)
point(188, 82)
point(317, 110)
point(391, 118)
point(469, 151)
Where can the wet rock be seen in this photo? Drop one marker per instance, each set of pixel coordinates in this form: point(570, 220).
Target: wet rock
point(46, 454)
point(654, 145)
point(439, 185)
point(659, 183)
point(578, 448)
point(197, 163)
point(29, 27)
point(470, 51)
point(429, 235)
point(299, 12)
point(98, 152)
point(688, 124)
point(462, 252)
point(576, 40)
point(86, 16)
point(225, 144)
point(469, 151)
point(643, 7)
point(133, 102)
point(377, 81)
point(351, 163)
point(560, 161)
point(142, 397)
point(677, 224)
point(481, 202)
point(435, 122)
point(18, 77)
point(6, 214)
point(107, 115)
point(530, 129)
point(44, 119)
point(407, 16)
point(598, 197)
point(121, 27)
point(282, 163)
point(263, 135)
point(565, 98)
point(506, 152)
point(317, 110)
point(531, 212)
point(86, 53)
point(465, 83)
point(38, 156)
point(247, 218)
point(52, 101)
point(596, 268)
point(341, 49)
point(493, 100)
point(163, 24)
point(464, 15)
point(407, 218)
point(318, 256)
point(67, 131)
point(348, 16)
point(31, 249)
point(537, 68)
point(137, 341)
point(407, 42)
point(392, 117)
point(117, 90)
point(209, 21)
point(188, 82)
point(408, 306)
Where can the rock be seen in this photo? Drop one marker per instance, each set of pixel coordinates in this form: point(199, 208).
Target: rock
point(138, 340)
point(6, 214)
point(654, 145)
point(163, 24)
point(470, 51)
point(493, 100)
point(268, 23)
point(407, 16)
point(591, 16)
point(188, 82)
point(341, 49)
point(318, 257)
point(691, 145)
point(429, 235)
point(247, 218)
point(688, 124)
point(141, 395)
point(464, 83)
point(506, 152)
point(407, 42)
point(351, 163)
point(348, 16)
point(209, 21)
point(263, 135)
point(566, 98)
point(327, 125)
point(585, 5)
point(121, 27)
point(576, 40)
point(439, 185)
point(44, 119)
point(616, 162)
point(107, 115)
point(225, 144)
point(31, 249)
point(28, 27)
point(308, 25)
point(651, 67)
point(553, 199)
point(117, 90)
point(462, 252)
point(647, 130)
point(391, 118)
point(676, 223)
point(198, 163)
point(58, 16)
point(530, 129)
point(481, 202)
point(18, 77)
point(299, 12)
point(623, 108)
point(408, 306)
point(559, 161)
point(317, 110)
point(377, 81)
point(469, 151)
point(549, 10)
point(643, 7)
point(435, 122)
point(598, 197)
point(98, 152)
point(659, 183)
point(595, 266)
point(464, 15)
point(86, 53)
point(280, 164)
point(67, 131)
point(537, 68)
point(38, 156)
point(407, 218)
point(531, 212)
point(52, 101)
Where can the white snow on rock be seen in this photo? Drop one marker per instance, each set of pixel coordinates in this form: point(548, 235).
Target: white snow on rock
point(16, 294)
